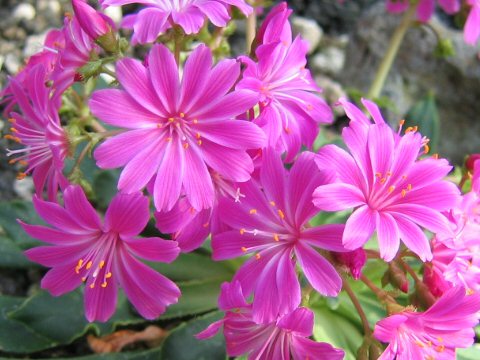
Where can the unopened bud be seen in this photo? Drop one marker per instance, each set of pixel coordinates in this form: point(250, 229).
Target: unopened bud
point(353, 260)
point(470, 162)
point(395, 275)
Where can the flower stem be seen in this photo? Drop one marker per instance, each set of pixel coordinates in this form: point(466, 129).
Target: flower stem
point(80, 158)
point(358, 307)
point(391, 54)
point(251, 30)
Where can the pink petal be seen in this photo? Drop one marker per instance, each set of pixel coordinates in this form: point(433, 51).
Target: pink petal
point(414, 238)
point(168, 181)
point(337, 196)
point(423, 215)
point(388, 236)
point(304, 348)
point(235, 134)
point(190, 19)
point(57, 216)
point(229, 244)
point(327, 237)
point(320, 273)
point(149, 291)
point(228, 106)
point(174, 220)
point(119, 150)
point(471, 30)
point(150, 22)
point(197, 181)
point(333, 157)
point(53, 236)
point(195, 233)
point(299, 321)
point(425, 10)
point(127, 214)
point(210, 331)
point(441, 196)
point(450, 6)
point(248, 274)
point(355, 137)
point(231, 296)
point(374, 111)
point(138, 172)
point(380, 146)
point(118, 108)
point(359, 227)
point(61, 280)
point(386, 329)
point(428, 171)
point(76, 203)
point(164, 76)
point(100, 302)
point(135, 79)
point(353, 112)
point(272, 176)
point(215, 11)
point(197, 66)
point(153, 248)
point(52, 256)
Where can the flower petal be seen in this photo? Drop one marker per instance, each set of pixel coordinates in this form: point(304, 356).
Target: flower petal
point(61, 280)
point(127, 214)
point(150, 23)
point(235, 134)
point(414, 238)
point(153, 248)
point(76, 203)
point(100, 302)
point(359, 227)
point(52, 256)
point(57, 216)
point(423, 215)
point(388, 236)
point(337, 196)
point(327, 237)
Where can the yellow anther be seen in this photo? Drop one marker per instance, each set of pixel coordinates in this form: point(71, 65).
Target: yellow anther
point(89, 265)
point(108, 275)
point(382, 180)
point(84, 278)
point(401, 122)
point(439, 339)
point(171, 119)
point(13, 130)
point(391, 188)
point(389, 173)
point(253, 211)
point(404, 177)
point(12, 120)
point(168, 138)
point(287, 129)
point(13, 138)
point(415, 128)
point(409, 187)
point(199, 142)
point(23, 162)
point(242, 231)
point(435, 156)
point(159, 126)
point(257, 256)
point(419, 343)
point(92, 285)
point(182, 115)
point(272, 203)
point(244, 249)
point(185, 146)
point(281, 214)
point(13, 161)
point(427, 149)
point(404, 193)
point(440, 348)
point(206, 224)
point(195, 121)
point(410, 129)
point(21, 176)
point(197, 135)
point(470, 292)
point(101, 265)
point(429, 343)
point(104, 284)
point(275, 237)
point(378, 174)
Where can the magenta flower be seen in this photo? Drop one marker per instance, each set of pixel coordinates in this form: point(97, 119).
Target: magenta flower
point(161, 15)
point(290, 108)
point(177, 131)
point(103, 255)
point(390, 190)
point(37, 128)
point(471, 31)
point(284, 338)
point(271, 222)
point(435, 333)
point(425, 8)
point(92, 22)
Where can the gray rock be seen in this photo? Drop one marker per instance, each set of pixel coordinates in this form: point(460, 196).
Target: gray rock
point(24, 188)
point(51, 8)
point(329, 60)
point(34, 44)
point(309, 30)
point(24, 11)
point(12, 63)
point(332, 91)
point(416, 71)
point(115, 13)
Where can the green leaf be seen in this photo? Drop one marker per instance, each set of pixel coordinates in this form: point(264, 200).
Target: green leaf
point(424, 114)
point(472, 353)
point(181, 344)
point(11, 255)
point(62, 320)
point(336, 330)
point(152, 354)
point(197, 297)
point(9, 213)
point(14, 336)
point(105, 187)
point(194, 266)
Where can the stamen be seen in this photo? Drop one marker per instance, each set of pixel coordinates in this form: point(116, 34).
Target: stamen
point(419, 343)
point(182, 115)
point(435, 156)
point(253, 211)
point(287, 130)
point(427, 149)
point(195, 121)
point(272, 203)
point(102, 264)
point(12, 120)
point(409, 187)
point(104, 284)
point(389, 173)
point(13, 138)
point(21, 176)
point(206, 224)
point(440, 348)
point(404, 177)
point(185, 146)
point(391, 188)
point(197, 135)
point(257, 256)
point(170, 119)
point(108, 275)
point(378, 175)
point(92, 285)
point(243, 248)
point(404, 192)
point(242, 231)
point(89, 265)
point(13, 161)
point(401, 122)
point(12, 129)
point(281, 214)
point(309, 107)
point(23, 162)
point(199, 142)
point(169, 139)
point(275, 237)
point(84, 278)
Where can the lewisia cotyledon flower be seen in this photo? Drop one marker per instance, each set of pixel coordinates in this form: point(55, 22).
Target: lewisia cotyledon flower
point(284, 338)
point(103, 254)
point(390, 189)
point(290, 108)
point(433, 334)
point(471, 31)
point(178, 131)
point(161, 15)
point(271, 223)
point(37, 128)
point(425, 8)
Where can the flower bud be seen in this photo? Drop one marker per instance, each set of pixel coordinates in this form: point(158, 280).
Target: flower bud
point(395, 275)
point(470, 162)
point(353, 260)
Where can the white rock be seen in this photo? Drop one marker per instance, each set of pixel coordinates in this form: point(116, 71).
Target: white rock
point(332, 91)
point(24, 188)
point(115, 13)
point(329, 61)
point(309, 30)
point(34, 44)
point(24, 11)
point(51, 7)
point(12, 63)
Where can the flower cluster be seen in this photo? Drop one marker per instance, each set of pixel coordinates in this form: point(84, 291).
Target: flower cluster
point(222, 148)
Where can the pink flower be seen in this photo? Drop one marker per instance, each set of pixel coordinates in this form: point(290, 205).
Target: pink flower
point(160, 16)
point(271, 222)
point(284, 338)
point(425, 8)
point(290, 108)
point(92, 22)
point(177, 131)
point(37, 128)
point(354, 261)
point(435, 333)
point(391, 191)
point(471, 30)
point(103, 254)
